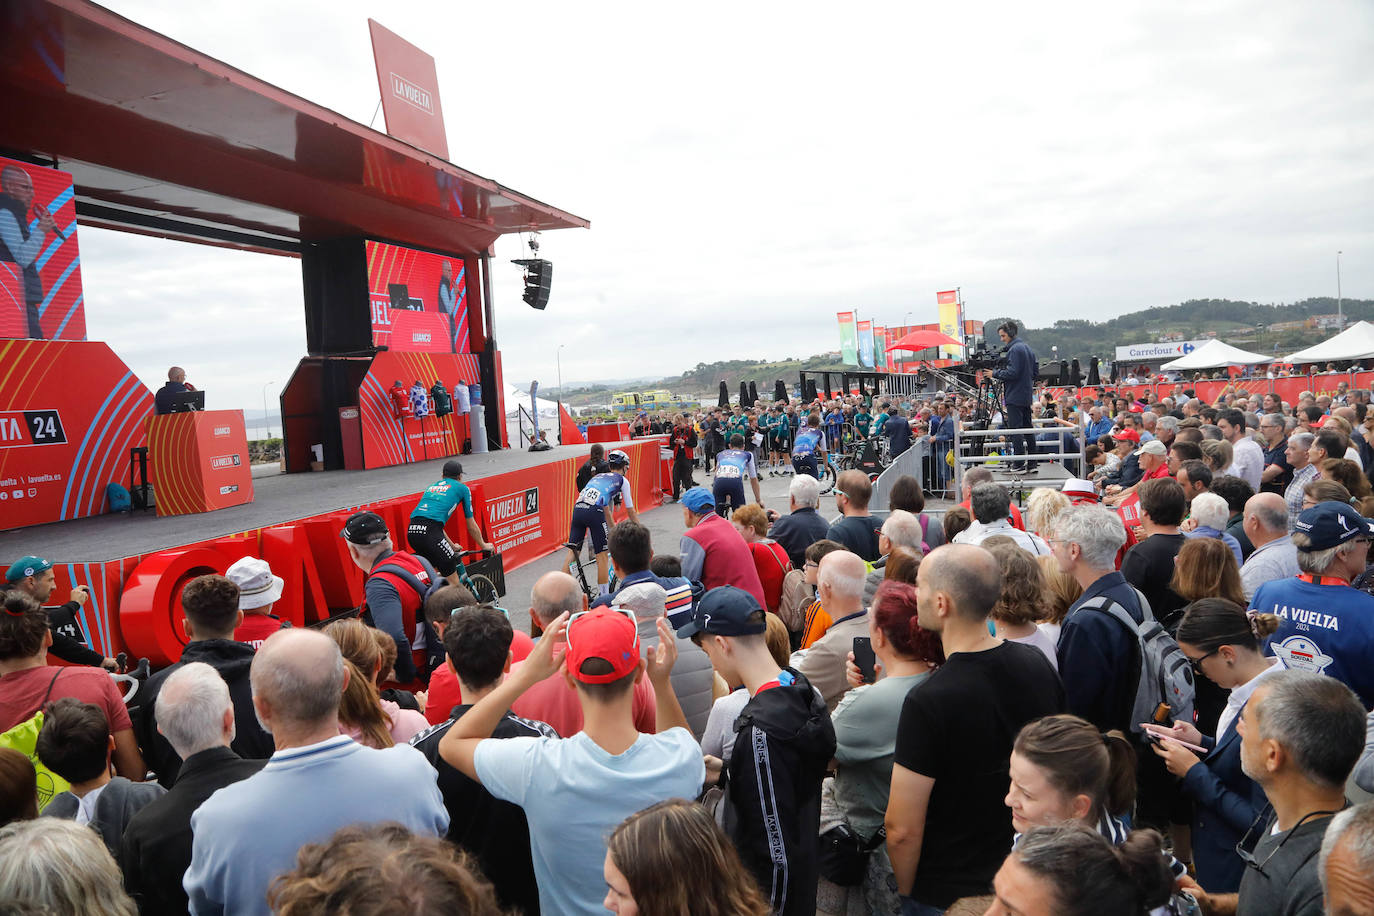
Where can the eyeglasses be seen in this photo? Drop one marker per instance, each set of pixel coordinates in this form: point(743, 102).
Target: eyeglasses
point(1262, 822)
point(1196, 663)
point(839, 493)
point(809, 565)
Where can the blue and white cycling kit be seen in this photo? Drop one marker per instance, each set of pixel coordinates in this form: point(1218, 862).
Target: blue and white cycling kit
point(589, 512)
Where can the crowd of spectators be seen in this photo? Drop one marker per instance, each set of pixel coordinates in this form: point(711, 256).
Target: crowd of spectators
point(1147, 690)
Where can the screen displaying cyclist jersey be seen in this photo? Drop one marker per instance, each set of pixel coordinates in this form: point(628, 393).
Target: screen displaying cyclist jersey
point(441, 498)
point(735, 464)
point(601, 491)
point(419, 299)
point(808, 441)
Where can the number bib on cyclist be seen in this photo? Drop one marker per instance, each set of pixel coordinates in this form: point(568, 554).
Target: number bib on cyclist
point(735, 464)
point(602, 489)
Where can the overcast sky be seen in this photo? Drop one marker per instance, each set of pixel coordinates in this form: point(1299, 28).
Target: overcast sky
point(751, 169)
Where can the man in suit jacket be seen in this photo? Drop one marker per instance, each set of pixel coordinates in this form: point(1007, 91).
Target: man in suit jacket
point(196, 715)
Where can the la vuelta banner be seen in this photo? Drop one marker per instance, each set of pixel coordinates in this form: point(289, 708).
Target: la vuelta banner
point(865, 331)
point(947, 303)
point(69, 413)
point(40, 266)
point(849, 341)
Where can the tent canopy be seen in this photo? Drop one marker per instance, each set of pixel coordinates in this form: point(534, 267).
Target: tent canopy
point(1355, 342)
point(1215, 354)
point(923, 340)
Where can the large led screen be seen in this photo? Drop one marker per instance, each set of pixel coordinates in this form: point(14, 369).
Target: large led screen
point(419, 299)
point(40, 266)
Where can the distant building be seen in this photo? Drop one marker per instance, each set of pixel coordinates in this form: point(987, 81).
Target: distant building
point(1327, 322)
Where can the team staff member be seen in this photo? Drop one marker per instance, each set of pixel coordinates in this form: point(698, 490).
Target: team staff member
point(809, 448)
point(684, 439)
point(426, 532)
point(34, 577)
point(1018, 375)
point(176, 384)
point(592, 512)
point(732, 467)
point(396, 586)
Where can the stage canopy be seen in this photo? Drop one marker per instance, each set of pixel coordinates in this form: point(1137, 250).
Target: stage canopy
point(1214, 355)
point(166, 141)
point(1355, 342)
point(923, 340)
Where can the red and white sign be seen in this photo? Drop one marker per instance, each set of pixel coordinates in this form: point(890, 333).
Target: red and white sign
point(410, 91)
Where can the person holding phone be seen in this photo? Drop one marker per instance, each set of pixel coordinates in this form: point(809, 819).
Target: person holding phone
point(894, 658)
point(1224, 645)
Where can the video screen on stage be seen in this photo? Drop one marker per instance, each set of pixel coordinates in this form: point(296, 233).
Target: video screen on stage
point(419, 299)
point(40, 266)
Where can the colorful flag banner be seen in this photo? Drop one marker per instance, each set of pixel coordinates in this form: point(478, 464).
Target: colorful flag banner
point(849, 344)
point(950, 319)
point(880, 348)
point(865, 344)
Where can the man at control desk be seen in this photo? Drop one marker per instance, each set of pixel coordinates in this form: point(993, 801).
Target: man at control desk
point(176, 384)
point(1018, 377)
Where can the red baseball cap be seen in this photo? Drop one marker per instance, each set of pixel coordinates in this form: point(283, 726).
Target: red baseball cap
point(606, 633)
point(1128, 434)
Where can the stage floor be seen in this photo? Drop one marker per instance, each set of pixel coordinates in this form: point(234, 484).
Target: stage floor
point(278, 498)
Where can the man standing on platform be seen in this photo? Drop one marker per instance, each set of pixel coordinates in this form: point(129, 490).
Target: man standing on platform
point(462, 409)
point(1018, 375)
point(176, 384)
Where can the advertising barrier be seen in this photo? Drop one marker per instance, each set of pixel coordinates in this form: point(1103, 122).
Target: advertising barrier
point(69, 413)
point(135, 602)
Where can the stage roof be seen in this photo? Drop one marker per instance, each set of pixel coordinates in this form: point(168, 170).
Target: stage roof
point(164, 140)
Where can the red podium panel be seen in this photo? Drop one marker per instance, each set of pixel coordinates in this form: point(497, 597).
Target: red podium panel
point(608, 432)
point(69, 413)
point(198, 461)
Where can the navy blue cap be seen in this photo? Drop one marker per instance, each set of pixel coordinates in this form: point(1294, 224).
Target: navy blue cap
point(1331, 524)
point(725, 611)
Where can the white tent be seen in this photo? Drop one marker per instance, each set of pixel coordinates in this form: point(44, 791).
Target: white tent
point(1355, 342)
point(1215, 354)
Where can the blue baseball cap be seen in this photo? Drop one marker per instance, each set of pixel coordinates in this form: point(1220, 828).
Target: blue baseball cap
point(699, 500)
point(25, 567)
point(1331, 524)
point(725, 611)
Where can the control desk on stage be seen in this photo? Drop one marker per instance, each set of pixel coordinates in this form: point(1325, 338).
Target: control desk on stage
point(198, 461)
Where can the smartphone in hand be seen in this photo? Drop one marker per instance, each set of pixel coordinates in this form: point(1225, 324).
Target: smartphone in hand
point(864, 658)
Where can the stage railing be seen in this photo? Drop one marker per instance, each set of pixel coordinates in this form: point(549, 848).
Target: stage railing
point(962, 443)
point(526, 434)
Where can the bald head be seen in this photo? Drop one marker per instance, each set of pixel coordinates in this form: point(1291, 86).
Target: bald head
point(842, 574)
point(1269, 512)
point(968, 574)
point(176, 374)
point(554, 593)
point(298, 675)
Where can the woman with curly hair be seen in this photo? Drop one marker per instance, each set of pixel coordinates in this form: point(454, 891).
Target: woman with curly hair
point(671, 859)
point(1042, 507)
point(1022, 601)
point(363, 714)
point(1348, 474)
point(380, 870)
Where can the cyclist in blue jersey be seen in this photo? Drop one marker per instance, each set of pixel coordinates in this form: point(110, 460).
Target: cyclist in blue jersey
point(592, 513)
point(426, 531)
point(733, 466)
point(809, 447)
point(834, 424)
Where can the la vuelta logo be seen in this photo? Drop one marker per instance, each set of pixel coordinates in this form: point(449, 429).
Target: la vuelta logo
point(513, 505)
point(412, 94)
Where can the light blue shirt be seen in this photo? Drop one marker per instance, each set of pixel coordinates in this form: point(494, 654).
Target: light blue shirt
point(25, 251)
point(575, 793)
point(249, 832)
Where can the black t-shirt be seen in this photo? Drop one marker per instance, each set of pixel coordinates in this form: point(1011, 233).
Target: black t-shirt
point(1149, 566)
point(494, 831)
point(858, 534)
point(958, 728)
point(1277, 455)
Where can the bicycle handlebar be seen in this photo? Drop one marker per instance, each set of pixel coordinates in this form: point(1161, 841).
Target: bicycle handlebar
point(468, 553)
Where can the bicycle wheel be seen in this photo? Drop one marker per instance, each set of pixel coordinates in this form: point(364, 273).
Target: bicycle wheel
point(827, 480)
point(482, 588)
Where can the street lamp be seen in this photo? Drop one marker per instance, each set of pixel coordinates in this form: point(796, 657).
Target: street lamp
point(1340, 314)
point(264, 409)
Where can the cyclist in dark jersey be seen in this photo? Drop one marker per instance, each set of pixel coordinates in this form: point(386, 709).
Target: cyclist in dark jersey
point(732, 467)
point(592, 512)
point(809, 447)
point(426, 532)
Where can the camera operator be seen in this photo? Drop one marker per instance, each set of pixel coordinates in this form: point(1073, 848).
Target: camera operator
point(1018, 377)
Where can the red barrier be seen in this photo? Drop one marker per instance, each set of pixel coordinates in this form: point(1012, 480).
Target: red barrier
point(608, 432)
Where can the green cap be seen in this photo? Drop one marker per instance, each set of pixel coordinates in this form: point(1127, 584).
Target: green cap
point(25, 567)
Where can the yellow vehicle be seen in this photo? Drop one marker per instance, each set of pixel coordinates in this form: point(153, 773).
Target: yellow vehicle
point(663, 399)
point(625, 402)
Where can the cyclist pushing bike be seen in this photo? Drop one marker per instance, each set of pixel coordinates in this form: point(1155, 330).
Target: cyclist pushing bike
point(732, 467)
point(592, 513)
point(426, 536)
point(809, 447)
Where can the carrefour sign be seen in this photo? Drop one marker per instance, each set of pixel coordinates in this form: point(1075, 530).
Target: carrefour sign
point(1152, 351)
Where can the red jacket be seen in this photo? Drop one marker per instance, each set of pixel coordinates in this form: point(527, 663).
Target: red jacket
point(770, 559)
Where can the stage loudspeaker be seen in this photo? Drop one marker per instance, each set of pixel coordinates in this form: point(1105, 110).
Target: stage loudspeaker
point(538, 281)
